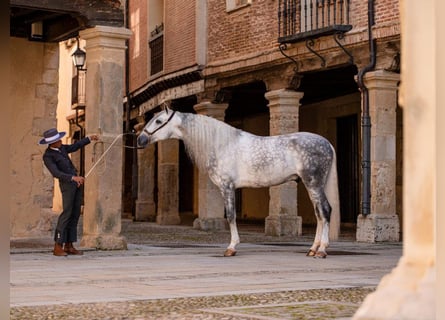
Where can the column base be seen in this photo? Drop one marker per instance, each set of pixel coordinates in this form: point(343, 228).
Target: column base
point(145, 211)
point(408, 292)
point(284, 225)
point(378, 228)
point(211, 224)
point(168, 219)
point(104, 242)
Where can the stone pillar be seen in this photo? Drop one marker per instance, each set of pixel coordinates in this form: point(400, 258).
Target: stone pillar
point(105, 48)
point(414, 289)
point(168, 183)
point(383, 223)
point(283, 217)
point(211, 203)
point(145, 205)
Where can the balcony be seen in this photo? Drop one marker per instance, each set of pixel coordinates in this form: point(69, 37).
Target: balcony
point(300, 20)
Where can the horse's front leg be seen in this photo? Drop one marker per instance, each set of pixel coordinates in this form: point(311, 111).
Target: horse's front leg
point(229, 205)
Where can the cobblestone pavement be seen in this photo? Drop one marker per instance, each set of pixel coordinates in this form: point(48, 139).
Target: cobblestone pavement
point(321, 303)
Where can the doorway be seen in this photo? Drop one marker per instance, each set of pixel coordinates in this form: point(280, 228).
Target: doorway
point(348, 167)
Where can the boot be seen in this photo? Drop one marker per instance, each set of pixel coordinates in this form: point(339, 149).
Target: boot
point(69, 249)
point(58, 250)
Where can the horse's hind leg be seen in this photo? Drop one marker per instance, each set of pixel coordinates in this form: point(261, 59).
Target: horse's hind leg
point(316, 244)
point(229, 204)
point(322, 213)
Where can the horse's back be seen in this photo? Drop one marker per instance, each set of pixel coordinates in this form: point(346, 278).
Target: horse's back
point(261, 161)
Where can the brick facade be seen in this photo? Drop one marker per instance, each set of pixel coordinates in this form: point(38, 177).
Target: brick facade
point(179, 35)
point(138, 48)
point(254, 28)
point(249, 29)
point(241, 49)
point(179, 39)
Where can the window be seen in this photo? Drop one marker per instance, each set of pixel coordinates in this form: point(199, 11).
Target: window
point(155, 25)
point(157, 50)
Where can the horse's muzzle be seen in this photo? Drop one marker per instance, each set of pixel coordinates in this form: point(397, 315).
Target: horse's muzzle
point(142, 140)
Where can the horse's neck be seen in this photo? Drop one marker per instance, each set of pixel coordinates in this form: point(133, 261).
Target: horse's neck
point(203, 137)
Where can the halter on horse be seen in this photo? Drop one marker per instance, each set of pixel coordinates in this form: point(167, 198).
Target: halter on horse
point(237, 159)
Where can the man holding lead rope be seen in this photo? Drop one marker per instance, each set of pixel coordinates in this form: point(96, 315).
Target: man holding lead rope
point(58, 162)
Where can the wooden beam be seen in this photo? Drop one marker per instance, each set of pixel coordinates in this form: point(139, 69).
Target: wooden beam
point(104, 12)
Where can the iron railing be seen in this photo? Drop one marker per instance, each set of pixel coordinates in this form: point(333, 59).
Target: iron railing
point(157, 55)
point(304, 19)
point(156, 45)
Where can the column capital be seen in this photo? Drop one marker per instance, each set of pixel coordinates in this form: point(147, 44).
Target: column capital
point(284, 100)
point(214, 110)
point(285, 96)
point(100, 36)
point(382, 80)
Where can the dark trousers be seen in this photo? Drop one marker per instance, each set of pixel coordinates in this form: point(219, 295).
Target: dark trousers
point(66, 229)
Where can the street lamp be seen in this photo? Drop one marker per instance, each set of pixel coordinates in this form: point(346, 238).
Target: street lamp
point(79, 57)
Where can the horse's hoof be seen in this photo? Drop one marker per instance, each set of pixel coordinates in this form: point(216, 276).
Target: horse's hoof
point(321, 255)
point(310, 253)
point(229, 253)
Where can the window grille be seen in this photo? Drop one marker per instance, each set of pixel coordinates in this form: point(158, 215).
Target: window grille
point(156, 45)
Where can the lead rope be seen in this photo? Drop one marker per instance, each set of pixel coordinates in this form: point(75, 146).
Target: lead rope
point(106, 151)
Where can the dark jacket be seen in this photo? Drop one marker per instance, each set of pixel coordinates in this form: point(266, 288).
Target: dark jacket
point(59, 163)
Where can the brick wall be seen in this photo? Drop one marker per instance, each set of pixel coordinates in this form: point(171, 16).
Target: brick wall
point(179, 34)
point(254, 28)
point(246, 30)
point(138, 47)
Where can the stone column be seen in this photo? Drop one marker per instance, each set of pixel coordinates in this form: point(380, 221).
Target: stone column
point(383, 223)
point(145, 206)
point(168, 183)
point(414, 288)
point(211, 203)
point(105, 48)
point(283, 217)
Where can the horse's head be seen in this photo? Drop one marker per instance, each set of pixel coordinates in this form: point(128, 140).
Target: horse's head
point(158, 128)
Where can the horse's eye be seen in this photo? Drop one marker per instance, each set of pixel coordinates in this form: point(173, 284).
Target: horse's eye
point(158, 121)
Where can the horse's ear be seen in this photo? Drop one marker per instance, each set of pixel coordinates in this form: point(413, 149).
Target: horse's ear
point(165, 107)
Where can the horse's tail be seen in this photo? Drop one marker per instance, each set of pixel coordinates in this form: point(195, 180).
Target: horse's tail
point(331, 190)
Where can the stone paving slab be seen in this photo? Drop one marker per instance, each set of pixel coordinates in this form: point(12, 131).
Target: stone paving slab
point(153, 273)
point(265, 280)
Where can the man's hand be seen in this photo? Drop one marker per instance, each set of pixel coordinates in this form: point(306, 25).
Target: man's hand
point(94, 137)
point(79, 180)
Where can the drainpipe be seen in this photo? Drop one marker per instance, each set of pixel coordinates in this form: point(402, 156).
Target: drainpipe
point(366, 119)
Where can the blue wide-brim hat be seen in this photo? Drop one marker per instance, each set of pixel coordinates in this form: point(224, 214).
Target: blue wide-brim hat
point(51, 136)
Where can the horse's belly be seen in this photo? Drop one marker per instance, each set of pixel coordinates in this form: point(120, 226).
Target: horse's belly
point(264, 178)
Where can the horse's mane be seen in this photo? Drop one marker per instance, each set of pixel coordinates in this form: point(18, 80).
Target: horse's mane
point(205, 137)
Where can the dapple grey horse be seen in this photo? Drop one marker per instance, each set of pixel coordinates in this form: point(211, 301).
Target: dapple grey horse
point(236, 159)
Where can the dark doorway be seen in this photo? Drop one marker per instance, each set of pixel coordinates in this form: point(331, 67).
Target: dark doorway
point(186, 181)
point(348, 167)
point(186, 173)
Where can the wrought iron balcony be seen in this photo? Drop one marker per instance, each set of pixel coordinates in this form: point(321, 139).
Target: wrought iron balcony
point(300, 20)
